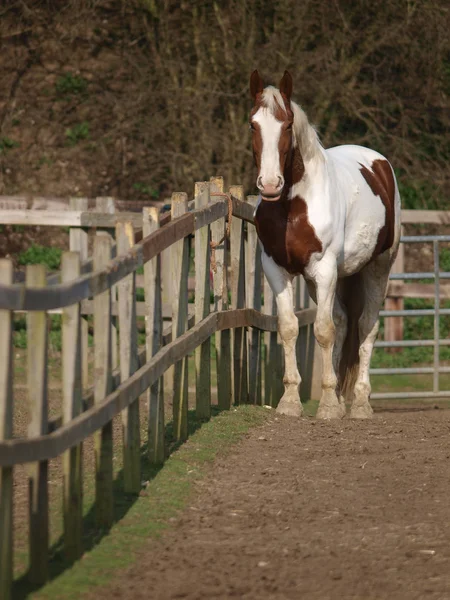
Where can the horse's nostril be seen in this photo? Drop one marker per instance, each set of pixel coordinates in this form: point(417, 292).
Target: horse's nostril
point(280, 182)
point(259, 183)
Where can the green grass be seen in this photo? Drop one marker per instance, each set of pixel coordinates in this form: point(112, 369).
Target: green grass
point(41, 255)
point(77, 133)
point(69, 85)
point(7, 144)
point(139, 519)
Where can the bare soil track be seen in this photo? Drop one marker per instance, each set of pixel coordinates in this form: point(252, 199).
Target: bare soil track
point(316, 510)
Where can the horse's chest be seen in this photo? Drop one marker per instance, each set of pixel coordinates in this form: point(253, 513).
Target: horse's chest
point(286, 234)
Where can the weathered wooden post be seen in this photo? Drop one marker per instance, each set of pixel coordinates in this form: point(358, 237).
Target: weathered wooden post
point(180, 270)
point(106, 204)
point(253, 296)
point(222, 338)
point(6, 432)
point(37, 391)
point(72, 388)
point(202, 304)
point(129, 364)
point(103, 438)
point(153, 337)
point(78, 242)
point(237, 252)
point(393, 326)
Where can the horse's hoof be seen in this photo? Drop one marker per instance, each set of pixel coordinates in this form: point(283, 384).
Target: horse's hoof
point(362, 411)
point(290, 407)
point(329, 410)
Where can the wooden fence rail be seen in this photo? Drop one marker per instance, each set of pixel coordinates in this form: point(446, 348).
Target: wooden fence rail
point(123, 372)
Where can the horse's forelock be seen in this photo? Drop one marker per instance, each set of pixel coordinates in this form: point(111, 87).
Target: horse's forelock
point(273, 100)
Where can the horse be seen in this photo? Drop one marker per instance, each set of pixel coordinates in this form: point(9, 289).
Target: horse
point(333, 216)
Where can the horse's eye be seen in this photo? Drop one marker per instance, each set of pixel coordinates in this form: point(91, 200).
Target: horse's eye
point(252, 127)
point(289, 127)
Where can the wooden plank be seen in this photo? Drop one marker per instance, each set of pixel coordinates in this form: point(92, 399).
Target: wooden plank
point(103, 440)
point(72, 389)
point(6, 432)
point(68, 218)
point(220, 281)
point(180, 269)
point(78, 242)
point(253, 295)
point(422, 217)
point(416, 290)
point(202, 302)
point(393, 327)
point(153, 343)
point(37, 393)
point(129, 364)
point(237, 260)
point(19, 451)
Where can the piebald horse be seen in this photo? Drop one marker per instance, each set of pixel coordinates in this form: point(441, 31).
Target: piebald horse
point(333, 216)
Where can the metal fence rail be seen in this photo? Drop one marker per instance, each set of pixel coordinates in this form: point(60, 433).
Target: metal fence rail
point(436, 312)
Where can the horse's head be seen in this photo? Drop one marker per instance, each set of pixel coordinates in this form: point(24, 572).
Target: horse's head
point(271, 121)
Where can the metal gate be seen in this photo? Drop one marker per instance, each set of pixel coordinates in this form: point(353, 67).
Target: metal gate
point(436, 342)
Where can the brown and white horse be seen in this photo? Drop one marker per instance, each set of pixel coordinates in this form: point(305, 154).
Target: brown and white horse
point(333, 216)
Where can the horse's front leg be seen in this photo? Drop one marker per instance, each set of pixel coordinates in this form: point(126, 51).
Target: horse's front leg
point(281, 283)
point(325, 332)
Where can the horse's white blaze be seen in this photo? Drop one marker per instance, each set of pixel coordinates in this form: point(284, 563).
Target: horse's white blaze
point(270, 158)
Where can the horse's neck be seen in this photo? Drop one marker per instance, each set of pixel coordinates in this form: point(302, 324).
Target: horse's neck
point(313, 175)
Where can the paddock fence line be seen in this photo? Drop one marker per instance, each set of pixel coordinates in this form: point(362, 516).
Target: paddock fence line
point(236, 312)
point(426, 290)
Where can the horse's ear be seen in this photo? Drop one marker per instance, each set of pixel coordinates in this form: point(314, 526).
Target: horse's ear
point(256, 84)
point(286, 85)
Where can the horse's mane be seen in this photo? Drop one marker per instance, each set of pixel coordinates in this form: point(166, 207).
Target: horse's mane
point(305, 135)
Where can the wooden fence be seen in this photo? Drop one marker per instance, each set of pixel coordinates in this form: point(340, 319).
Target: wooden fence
point(241, 318)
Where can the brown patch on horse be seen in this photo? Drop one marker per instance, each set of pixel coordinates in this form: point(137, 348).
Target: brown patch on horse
point(381, 181)
point(286, 234)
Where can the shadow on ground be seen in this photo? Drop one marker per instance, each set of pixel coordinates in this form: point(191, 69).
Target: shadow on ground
point(92, 535)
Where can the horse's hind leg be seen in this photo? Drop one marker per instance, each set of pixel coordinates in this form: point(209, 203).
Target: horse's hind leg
point(340, 322)
point(374, 280)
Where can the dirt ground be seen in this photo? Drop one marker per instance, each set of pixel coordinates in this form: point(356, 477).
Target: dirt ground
point(310, 509)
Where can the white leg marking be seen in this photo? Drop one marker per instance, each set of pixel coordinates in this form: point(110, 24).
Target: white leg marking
point(281, 283)
point(325, 332)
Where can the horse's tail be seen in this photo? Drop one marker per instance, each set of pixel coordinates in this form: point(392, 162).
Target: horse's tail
point(352, 297)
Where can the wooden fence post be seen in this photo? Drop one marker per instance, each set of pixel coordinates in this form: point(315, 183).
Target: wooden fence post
point(106, 204)
point(37, 391)
point(202, 304)
point(222, 338)
point(102, 387)
point(253, 295)
point(393, 326)
point(180, 269)
point(153, 334)
point(72, 357)
point(6, 432)
point(240, 388)
point(129, 364)
point(78, 242)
